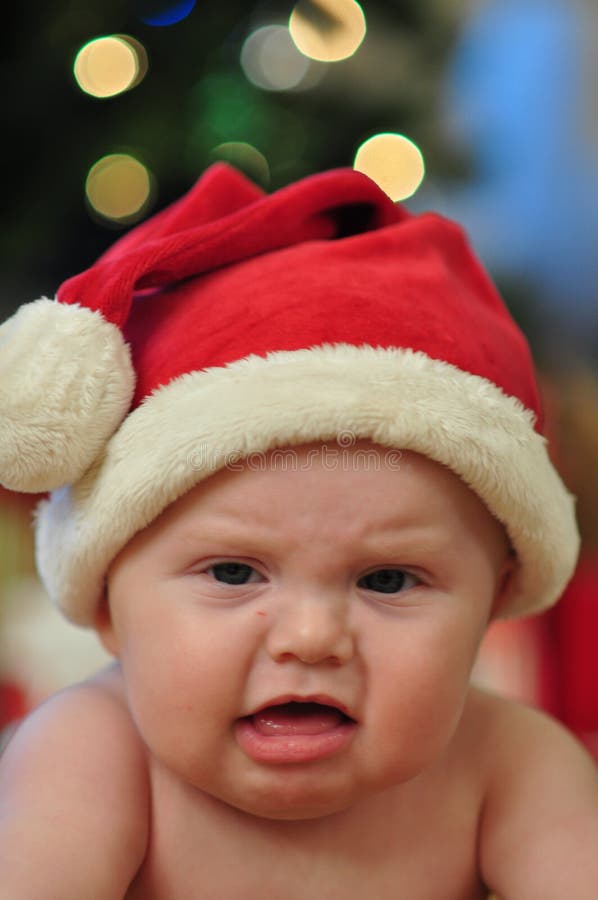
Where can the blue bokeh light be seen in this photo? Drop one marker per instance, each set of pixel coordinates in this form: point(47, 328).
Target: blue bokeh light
point(161, 12)
point(515, 99)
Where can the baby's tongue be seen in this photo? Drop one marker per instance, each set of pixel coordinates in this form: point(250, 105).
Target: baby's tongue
point(296, 718)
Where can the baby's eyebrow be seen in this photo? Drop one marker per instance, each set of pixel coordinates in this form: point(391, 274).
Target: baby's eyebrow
point(213, 532)
point(236, 535)
point(410, 536)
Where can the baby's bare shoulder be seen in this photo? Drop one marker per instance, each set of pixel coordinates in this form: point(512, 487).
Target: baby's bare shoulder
point(74, 796)
point(513, 735)
point(539, 830)
point(88, 722)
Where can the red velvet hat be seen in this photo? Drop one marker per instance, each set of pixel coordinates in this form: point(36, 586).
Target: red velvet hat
point(234, 322)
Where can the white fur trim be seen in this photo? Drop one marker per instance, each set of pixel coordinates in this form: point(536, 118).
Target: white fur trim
point(397, 398)
point(66, 382)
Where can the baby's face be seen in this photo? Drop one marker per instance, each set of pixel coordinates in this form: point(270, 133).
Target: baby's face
point(293, 641)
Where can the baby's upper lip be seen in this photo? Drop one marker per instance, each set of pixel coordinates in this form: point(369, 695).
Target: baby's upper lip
point(322, 699)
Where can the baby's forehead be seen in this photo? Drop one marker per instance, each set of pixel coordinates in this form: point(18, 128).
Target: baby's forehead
point(326, 492)
point(342, 470)
point(357, 464)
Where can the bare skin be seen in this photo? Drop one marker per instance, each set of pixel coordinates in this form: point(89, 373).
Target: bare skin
point(367, 590)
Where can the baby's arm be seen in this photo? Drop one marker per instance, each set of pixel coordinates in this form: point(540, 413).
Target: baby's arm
point(539, 834)
point(73, 801)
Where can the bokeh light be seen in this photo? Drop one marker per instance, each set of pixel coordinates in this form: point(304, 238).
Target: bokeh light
point(160, 13)
point(394, 162)
point(225, 107)
point(119, 188)
point(271, 61)
point(141, 57)
point(107, 66)
point(327, 30)
point(245, 157)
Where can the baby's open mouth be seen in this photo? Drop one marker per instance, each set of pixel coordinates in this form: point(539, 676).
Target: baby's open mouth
point(296, 731)
point(296, 717)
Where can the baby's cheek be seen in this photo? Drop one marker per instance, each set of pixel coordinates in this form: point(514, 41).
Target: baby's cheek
point(420, 691)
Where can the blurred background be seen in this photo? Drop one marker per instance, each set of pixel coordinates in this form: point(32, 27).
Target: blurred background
point(484, 110)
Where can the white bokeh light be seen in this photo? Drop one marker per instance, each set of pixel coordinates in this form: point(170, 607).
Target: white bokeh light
point(271, 60)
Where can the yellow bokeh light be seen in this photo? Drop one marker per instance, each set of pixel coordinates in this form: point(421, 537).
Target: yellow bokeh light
point(394, 162)
point(119, 187)
point(327, 30)
point(245, 157)
point(141, 58)
point(107, 66)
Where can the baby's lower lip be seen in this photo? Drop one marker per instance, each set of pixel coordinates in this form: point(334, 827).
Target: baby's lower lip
point(274, 737)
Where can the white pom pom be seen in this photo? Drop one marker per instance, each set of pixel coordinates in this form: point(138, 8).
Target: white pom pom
point(66, 382)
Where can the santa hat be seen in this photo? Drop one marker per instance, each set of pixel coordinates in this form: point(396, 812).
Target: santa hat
point(234, 322)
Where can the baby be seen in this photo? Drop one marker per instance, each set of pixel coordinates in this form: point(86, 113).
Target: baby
point(292, 448)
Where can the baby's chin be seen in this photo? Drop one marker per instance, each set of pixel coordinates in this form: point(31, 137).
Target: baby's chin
point(296, 804)
point(293, 813)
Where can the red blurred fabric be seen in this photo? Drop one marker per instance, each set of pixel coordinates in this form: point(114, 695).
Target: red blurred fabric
point(570, 678)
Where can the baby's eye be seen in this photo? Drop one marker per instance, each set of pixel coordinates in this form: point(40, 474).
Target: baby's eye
point(234, 573)
point(387, 581)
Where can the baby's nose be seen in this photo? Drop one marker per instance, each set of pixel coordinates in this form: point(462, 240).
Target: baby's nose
point(313, 630)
